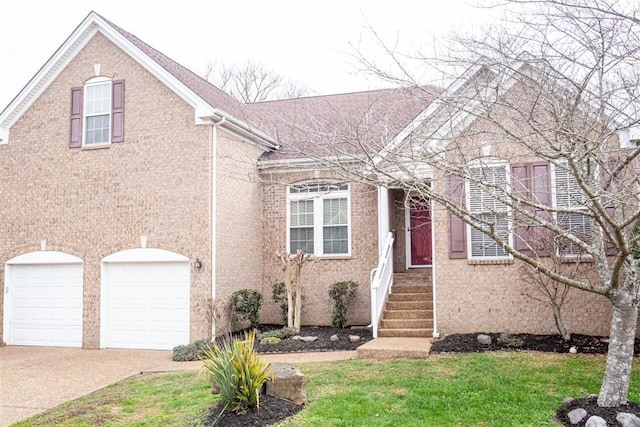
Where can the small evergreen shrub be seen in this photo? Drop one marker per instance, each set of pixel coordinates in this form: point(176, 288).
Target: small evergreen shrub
point(278, 333)
point(506, 339)
point(279, 295)
point(246, 304)
point(342, 294)
point(190, 352)
point(238, 372)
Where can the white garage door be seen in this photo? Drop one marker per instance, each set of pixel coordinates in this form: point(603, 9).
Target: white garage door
point(45, 304)
point(146, 305)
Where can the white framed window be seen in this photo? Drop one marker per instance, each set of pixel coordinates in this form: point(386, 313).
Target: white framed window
point(482, 203)
point(569, 196)
point(319, 219)
point(97, 112)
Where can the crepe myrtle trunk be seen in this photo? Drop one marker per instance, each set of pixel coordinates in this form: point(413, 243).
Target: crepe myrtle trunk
point(615, 385)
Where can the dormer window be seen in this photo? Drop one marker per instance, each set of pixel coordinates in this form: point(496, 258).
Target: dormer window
point(97, 113)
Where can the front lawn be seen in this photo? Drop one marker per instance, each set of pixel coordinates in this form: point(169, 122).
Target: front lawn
point(491, 389)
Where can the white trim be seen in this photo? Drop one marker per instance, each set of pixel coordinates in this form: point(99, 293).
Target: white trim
point(383, 217)
point(45, 257)
point(214, 207)
point(145, 255)
point(4, 136)
point(407, 239)
point(96, 81)
point(490, 163)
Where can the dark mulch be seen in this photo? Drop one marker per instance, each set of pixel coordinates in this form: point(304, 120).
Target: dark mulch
point(584, 344)
point(468, 343)
point(323, 343)
point(590, 404)
point(272, 410)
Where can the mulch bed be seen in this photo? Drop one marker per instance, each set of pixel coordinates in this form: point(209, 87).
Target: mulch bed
point(272, 410)
point(323, 343)
point(583, 344)
point(468, 343)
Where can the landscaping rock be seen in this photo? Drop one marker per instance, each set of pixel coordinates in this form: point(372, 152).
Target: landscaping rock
point(308, 339)
point(289, 383)
point(354, 338)
point(628, 420)
point(573, 350)
point(484, 339)
point(577, 415)
point(334, 338)
point(566, 401)
point(270, 340)
point(595, 421)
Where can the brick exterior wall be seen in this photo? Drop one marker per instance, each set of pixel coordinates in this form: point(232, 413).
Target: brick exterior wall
point(317, 306)
point(92, 203)
point(489, 298)
point(238, 224)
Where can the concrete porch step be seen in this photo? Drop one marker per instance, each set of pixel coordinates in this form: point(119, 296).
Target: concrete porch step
point(407, 333)
point(405, 296)
point(406, 323)
point(409, 305)
point(408, 314)
point(413, 278)
point(395, 348)
point(411, 289)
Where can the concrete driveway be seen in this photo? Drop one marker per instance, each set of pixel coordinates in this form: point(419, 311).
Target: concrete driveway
point(34, 379)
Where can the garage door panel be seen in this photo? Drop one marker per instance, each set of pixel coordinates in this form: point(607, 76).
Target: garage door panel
point(146, 305)
point(46, 305)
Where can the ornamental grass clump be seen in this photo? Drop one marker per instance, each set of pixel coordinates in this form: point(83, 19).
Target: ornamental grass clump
point(238, 372)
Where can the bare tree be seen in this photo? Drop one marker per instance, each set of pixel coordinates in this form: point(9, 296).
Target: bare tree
point(293, 267)
point(541, 287)
point(252, 82)
point(532, 139)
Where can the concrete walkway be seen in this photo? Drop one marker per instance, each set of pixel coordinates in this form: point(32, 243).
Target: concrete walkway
point(34, 379)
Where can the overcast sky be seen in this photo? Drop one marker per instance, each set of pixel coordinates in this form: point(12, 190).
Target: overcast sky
point(311, 42)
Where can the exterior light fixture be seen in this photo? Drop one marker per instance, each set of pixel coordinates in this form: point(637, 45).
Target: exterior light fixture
point(198, 263)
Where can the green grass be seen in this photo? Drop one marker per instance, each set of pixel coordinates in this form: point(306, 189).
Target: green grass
point(499, 389)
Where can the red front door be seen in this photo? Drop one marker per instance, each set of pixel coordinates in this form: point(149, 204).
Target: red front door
point(420, 233)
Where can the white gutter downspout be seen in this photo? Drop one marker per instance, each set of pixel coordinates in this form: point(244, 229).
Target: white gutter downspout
point(214, 205)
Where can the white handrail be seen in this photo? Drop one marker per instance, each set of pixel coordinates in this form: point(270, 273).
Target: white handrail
point(381, 282)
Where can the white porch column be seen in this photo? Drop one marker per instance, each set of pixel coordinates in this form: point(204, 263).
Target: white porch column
point(383, 217)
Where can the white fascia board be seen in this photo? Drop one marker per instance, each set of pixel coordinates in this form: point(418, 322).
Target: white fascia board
point(4, 135)
point(461, 119)
point(300, 164)
point(242, 130)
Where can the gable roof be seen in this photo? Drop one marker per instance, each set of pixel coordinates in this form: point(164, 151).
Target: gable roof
point(338, 125)
point(211, 105)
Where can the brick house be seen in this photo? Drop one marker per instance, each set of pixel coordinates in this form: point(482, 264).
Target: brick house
point(137, 198)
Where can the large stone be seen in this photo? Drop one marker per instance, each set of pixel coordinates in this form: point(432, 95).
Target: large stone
point(628, 420)
point(484, 339)
point(595, 421)
point(576, 415)
point(308, 339)
point(354, 338)
point(334, 337)
point(289, 383)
